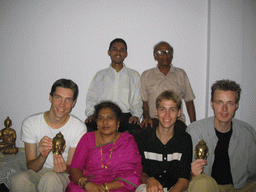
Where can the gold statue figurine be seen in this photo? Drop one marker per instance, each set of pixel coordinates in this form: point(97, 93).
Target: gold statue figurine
point(58, 144)
point(201, 150)
point(8, 138)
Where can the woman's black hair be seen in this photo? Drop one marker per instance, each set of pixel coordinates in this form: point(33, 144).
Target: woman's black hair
point(108, 104)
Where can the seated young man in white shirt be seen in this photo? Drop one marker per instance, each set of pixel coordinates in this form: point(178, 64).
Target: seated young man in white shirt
point(46, 171)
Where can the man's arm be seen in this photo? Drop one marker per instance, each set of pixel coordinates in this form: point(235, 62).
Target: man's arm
point(70, 155)
point(152, 183)
point(35, 162)
point(180, 186)
point(146, 117)
point(92, 95)
point(144, 178)
point(135, 100)
point(191, 110)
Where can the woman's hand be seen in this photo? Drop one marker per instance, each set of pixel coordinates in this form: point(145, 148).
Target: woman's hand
point(92, 187)
point(197, 167)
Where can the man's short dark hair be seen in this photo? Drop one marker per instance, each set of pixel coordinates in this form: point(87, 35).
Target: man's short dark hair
point(65, 83)
point(117, 40)
point(169, 95)
point(162, 42)
point(108, 104)
point(226, 85)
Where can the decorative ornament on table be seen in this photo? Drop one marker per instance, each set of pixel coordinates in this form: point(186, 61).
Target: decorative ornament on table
point(8, 138)
point(58, 144)
point(201, 150)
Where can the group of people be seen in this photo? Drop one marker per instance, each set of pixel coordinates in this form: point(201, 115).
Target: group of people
point(135, 95)
point(114, 151)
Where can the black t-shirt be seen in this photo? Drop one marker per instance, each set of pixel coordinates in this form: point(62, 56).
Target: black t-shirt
point(221, 165)
point(166, 163)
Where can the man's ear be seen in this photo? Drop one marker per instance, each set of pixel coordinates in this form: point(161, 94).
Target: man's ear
point(211, 104)
point(156, 113)
point(108, 52)
point(154, 55)
point(50, 98)
point(237, 105)
point(179, 113)
point(73, 104)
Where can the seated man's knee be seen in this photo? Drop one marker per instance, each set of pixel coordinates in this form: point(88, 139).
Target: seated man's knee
point(142, 188)
point(203, 183)
point(50, 181)
point(22, 182)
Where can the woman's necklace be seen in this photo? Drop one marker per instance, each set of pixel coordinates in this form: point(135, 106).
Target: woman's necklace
point(102, 164)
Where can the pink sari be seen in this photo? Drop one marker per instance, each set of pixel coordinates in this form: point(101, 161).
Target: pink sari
point(124, 165)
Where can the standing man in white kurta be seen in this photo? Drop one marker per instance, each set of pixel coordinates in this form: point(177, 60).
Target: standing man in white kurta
point(119, 84)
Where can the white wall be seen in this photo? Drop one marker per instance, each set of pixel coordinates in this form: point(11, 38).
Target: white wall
point(226, 40)
point(42, 41)
point(248, 104)
point(233, 51)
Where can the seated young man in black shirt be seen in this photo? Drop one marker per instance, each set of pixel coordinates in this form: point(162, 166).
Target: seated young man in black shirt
point(166, 150)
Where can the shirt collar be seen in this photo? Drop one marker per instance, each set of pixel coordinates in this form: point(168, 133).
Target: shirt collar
point(170, 71)
point(114, 71)
point(173, 139)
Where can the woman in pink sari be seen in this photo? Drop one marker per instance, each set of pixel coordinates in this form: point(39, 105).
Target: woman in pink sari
point(106, 160)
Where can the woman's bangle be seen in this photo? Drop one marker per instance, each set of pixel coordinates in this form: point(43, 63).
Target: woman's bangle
point(81, 181)
point(105, 187)
point(146, 180)
point(85, 184)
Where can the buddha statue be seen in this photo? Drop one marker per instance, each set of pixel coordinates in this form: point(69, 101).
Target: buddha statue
point(201, 150)
point(8, 138)
point(58, 144)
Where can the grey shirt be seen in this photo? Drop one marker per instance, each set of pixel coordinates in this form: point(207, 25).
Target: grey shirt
point(242, 148)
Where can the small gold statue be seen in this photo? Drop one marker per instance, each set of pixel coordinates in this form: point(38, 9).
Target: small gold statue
point(58, 144)
point(201, 150)
point(8, 137)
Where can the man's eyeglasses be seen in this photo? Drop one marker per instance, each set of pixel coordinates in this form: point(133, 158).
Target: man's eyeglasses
point(161, 53)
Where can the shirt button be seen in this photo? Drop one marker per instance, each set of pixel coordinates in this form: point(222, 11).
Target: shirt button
point(164, 158)
point(160, 176)
point(164, 171)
